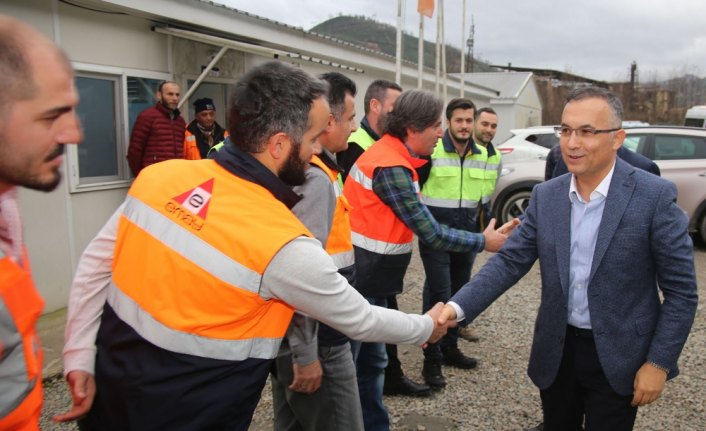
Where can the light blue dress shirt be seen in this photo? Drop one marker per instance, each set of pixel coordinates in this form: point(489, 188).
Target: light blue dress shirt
point(585, 220)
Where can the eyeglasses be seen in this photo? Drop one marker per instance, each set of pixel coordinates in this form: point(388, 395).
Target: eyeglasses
point(582, 132)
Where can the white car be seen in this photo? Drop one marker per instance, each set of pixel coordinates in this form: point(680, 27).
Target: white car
point(523, 160)
point(530, 143)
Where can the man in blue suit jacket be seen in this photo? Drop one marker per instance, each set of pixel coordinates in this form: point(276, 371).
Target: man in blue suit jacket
point(608, 237)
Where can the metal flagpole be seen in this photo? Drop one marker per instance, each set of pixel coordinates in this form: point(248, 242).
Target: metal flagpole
point(438, 50)
point(420, 52)
point(463, 42)
point(443, 50)
point(398, 68)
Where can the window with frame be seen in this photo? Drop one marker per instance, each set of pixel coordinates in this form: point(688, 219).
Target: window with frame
point(547, 140)
point(98, 156)
point(108, 106)
point(679, 147)
point(635, 143)
point(694, 122)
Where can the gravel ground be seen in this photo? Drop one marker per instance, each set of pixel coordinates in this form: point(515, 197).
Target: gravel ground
point(498, 395)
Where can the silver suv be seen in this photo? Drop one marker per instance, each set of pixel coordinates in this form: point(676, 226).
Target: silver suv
point(680, 153)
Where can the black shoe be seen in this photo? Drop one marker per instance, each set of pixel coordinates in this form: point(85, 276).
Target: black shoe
point(454, 357)
point(404, 386)
point(432, 374)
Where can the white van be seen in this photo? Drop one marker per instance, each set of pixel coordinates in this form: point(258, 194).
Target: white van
point(696, 117)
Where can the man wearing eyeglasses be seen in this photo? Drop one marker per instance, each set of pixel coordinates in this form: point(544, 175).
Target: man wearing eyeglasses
point(555, 164)
point(609, 237)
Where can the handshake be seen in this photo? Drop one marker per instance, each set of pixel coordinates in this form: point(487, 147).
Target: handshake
point(444, 317)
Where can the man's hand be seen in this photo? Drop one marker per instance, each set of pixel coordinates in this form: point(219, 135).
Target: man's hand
point(439, 329)
point(447, 314)
point(307, 378)
point(494, 239)
point(83, 390)
point(649, 384)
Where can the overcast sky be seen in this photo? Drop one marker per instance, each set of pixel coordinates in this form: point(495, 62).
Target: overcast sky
point(597, 39)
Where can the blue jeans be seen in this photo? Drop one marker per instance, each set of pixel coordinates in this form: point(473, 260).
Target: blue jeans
point(371, 360)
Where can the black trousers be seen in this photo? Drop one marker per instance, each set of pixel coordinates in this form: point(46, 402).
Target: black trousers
point(446, 272)
point(581, 395)
point(394, 366)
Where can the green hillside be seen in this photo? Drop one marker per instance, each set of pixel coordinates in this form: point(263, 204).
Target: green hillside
point(381, 37)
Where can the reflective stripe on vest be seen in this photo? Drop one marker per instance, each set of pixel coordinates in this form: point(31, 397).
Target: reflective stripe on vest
point(341, 248)
point(183, 342)
point(191, 148)
point(216, 148)
point(374, 226)
point(338, 244)
point(380, 247)
point(193, 242)
point(452, 184)
point(344, 259)
point(190, 246)
point(367, 182)
point(20, 353)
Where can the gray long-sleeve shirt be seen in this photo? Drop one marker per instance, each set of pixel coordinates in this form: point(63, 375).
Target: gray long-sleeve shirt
point(315, 210)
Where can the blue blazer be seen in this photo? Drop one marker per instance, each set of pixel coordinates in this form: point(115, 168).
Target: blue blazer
point(642, 244)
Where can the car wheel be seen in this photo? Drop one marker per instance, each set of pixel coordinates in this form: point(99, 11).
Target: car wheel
point(702, 228)
point(514, 205)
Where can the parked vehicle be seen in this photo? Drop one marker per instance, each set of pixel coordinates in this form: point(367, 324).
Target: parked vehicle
point(630, 123)
point(533, 142)
point(695, 117)
point(680, 153)
point(512, 192)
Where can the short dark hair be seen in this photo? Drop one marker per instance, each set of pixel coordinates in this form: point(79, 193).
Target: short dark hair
point(414, 109)
point(377, 90)
point(271, 98)
point(608, 96)
point(338, 86)
point(458, 103)
point(484, 109)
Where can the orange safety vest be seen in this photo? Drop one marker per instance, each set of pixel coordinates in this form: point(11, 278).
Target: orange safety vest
point(193, 243)
point(20, 353)
point(338, 244)
point(191, 148)
point(373, 224)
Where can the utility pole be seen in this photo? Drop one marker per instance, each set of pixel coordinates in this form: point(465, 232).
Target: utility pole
point(469, 43)
point(633, 87)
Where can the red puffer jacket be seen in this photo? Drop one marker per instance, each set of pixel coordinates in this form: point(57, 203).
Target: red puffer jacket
point(155, 137)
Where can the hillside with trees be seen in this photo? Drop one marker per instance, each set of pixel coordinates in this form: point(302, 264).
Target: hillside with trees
point(381, 37)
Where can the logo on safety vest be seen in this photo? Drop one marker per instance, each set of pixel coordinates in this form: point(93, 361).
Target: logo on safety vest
point(197, 199)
